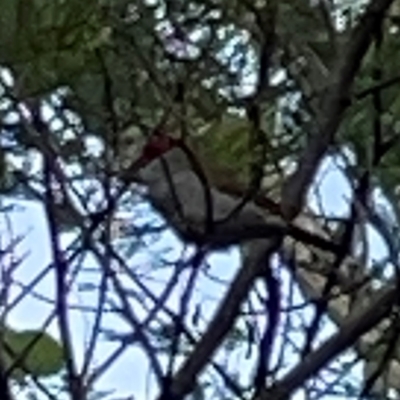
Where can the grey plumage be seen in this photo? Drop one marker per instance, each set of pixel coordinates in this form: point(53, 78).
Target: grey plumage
point(176, 191)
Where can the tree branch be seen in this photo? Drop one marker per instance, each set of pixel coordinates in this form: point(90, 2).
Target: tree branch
point(349, 333)
point(334, 104)
point(221, 323)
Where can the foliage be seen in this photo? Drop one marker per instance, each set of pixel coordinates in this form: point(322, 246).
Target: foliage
point(31, 353)
point(276, 87)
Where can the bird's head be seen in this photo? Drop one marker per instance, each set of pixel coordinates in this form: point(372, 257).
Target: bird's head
point(156, 146)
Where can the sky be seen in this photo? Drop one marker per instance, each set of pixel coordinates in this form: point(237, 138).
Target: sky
point(130, 373)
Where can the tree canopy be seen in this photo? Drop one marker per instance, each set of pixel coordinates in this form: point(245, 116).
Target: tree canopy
point(264, 92)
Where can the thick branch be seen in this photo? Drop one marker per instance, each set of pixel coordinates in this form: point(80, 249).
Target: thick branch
point(348, 334)
point(223, 320)
point(335, 103)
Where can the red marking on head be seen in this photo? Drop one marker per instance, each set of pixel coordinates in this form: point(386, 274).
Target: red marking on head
point(157, 145)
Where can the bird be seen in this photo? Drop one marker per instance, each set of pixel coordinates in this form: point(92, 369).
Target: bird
point(181, 191)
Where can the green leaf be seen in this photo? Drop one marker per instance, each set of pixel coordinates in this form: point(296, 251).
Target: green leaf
point(38, 352)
